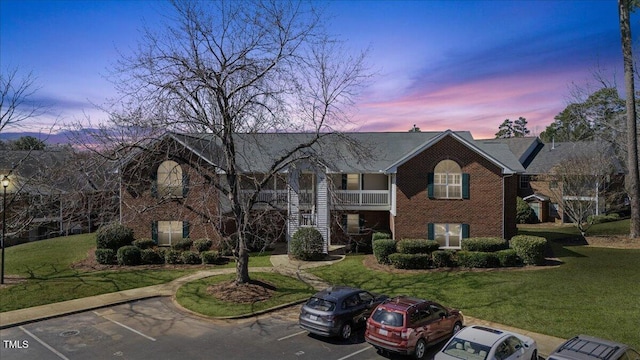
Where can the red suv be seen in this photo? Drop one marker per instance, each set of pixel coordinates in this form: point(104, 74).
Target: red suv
point(407, 325)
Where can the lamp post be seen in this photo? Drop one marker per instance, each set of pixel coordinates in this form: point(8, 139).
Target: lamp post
point(5, 183)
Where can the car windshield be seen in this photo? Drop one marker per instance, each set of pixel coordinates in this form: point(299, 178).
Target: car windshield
point(386, 317)
point(321, 304)
point(464, 349)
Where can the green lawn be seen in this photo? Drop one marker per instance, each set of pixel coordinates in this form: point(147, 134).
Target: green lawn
point(595, 291)
point(50, 278)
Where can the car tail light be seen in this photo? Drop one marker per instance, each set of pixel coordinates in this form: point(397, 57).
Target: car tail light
point(404, 334)
point(329, 318)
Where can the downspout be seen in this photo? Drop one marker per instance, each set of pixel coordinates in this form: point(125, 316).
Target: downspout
point(504, 230)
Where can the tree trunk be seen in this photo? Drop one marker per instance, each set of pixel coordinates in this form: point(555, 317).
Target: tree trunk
point(633, 177)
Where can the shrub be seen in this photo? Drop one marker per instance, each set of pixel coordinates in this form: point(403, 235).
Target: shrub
point(182, 245)
point(210, 257)
point(113, 236)
point(227, 246)
point(487, 244)
point(417, 246)
point(172, 256)
point(106, 256)
point(307, 244)
point(191, 258)
point(203, 245)
point(444, 258)
point(477, 259)
point(151, 256)
point(529, 248)
point(144, 243)
point(382, 249)
point(599, 219)
point(524, 212)
point(379, 235)
point(128, 255)
point(410, 261)
point(509, 258)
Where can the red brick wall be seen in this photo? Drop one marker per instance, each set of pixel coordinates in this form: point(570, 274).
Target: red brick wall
point(483, 211)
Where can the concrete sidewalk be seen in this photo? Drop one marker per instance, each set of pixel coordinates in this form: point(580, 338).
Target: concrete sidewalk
point(281, 264)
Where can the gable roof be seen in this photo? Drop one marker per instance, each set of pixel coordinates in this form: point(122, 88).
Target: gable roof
point(549, 155)
point(358, 152)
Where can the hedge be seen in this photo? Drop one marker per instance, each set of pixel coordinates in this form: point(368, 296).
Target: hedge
point(417, 246)
point(477, 259)
point(105, 256)
point(307, 244)
point(203, 245)
point(444, 258)
point(210, 257)
point(530, 249)
point(182, 245)
point(484, 244)
point(410, 261)
point(128, 255)
point(509, 258)
point(191, 258)
point(173, 257)
point(382, 249)
point(380, 236)
point(151, 256)
point(113, 236)
point(144, 243)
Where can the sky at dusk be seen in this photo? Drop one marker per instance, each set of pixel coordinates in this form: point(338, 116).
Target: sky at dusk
point(460, 65)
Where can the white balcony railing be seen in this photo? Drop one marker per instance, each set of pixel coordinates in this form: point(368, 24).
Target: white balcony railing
point(308, 219)
point(363, 197)
point(279, 197)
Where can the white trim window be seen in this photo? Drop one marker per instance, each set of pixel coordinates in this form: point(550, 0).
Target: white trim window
point(447, 180)
point(169, 232)
point(353, 223)
point(170, 179)
point(448, 235)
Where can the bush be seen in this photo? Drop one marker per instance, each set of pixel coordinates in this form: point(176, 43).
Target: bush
point(524, 212)
point(182, 245)
point(191, 258)
point(509, 258)
point(382, 249)
point(443, 258)
point(144, 244)
point(307, 244)
point(379, 235)
point(210, 257)
point(410, 261)
point(106, 256)
point(113, 236)
point(599, 219)
point(417, 246)
point(488, 244)
point(151, 256)
point(202, 245)
point(477, 259)
point(129, 255)
point(227, 246)
point(173, 257)
point(529, 248)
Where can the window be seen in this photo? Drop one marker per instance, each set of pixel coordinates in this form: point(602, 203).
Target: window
point(448, 235)
point(525, 181)
point(169, 232)
point(353, 224)
point(170, 182)
point(447, 180)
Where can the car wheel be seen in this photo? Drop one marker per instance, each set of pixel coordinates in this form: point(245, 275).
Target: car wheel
point(421, 349)
point(534, 356)
point(345, 331)
point(457, 327)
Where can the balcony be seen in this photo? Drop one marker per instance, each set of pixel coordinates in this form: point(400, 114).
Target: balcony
point(362, 198)
point(308, 219)
point(278, 197)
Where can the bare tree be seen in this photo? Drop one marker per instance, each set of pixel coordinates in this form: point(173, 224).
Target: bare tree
point(581, 185)
point(633, 174)
point(230, 69)
point(15, 94)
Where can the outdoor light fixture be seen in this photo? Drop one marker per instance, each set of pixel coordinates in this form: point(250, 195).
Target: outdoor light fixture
point(5, 183)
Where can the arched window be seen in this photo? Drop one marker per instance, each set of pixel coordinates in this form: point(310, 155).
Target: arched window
point(170, 179)
point(447, 180)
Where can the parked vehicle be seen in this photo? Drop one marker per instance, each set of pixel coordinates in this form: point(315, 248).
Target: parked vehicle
point(584, 347)
point(408, 325)
point(485, 343)
point(336, 310)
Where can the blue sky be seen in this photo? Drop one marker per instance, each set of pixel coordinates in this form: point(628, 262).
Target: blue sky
point(460, 65)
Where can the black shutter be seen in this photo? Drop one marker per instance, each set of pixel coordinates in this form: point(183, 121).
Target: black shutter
point(154, 231)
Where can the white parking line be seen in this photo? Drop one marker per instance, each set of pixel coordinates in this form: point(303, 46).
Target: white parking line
point(126, 327)
point(356, 353)
point(43, 343)
point(292, 335)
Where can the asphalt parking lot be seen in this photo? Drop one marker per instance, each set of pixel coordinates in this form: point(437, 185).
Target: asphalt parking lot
point(155, 328)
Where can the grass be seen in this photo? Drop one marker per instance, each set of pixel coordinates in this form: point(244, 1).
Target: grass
point(194, 296)
point(46, 265)
point(595, 291)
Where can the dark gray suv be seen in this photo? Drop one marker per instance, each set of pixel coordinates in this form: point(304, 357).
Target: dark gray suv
point(583, 347)
point(336, 310)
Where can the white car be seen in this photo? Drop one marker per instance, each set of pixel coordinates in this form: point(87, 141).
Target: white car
point(485, 343)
